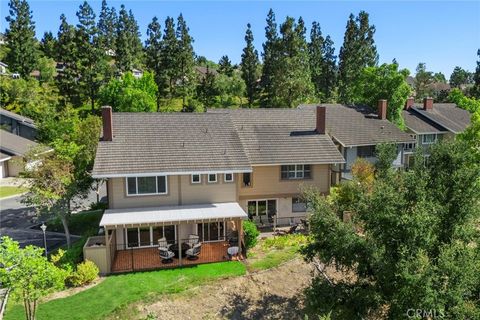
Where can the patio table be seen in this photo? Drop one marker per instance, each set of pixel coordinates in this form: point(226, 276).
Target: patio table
point(174, 248)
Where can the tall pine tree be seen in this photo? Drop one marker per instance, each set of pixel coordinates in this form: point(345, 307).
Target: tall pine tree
point(357, 52)
point(249, 66)
point(185, 60)
point(129, 49)
point(170, 55)
point(107, 24)
point(153, 49)
point(329, 70)
point(92, 59)
point(225, 66)
point(292, 83)
point(20, 35)
point(48, 45)
point(68, 56)
point(315, 48)
point(270, 61)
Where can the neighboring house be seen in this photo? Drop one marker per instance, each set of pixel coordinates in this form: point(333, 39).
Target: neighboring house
point(137, 73)
point(17, 124)
point(202, 71)
point(184, 176)
point(432, 122)
point(12, 151)
point(356, 130)
point(3, 68)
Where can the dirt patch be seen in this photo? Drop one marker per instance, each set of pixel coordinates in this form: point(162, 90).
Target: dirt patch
point(271, 294)
point(71, 291)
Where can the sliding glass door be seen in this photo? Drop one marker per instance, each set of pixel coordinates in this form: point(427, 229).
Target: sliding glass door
point(212, 231)
point(148, 236)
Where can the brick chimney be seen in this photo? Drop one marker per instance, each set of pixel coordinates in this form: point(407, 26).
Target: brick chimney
point(382, 109)
point(107, 123)
point(321, 120)
point(428, 103)
point(410, 102)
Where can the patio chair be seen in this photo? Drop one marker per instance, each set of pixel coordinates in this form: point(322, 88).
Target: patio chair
point(194, 252)
point(232, 252)
point(192, 240)
point(166, 255)
point(162, 243)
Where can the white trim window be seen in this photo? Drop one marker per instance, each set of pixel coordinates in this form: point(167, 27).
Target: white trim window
point(212, 178)
point(143, 186)
point(429, 138)
point(298, 205)
point(228, 177)
point(296, 171)
point(196, 178)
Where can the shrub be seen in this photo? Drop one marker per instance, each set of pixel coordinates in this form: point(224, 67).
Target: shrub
point(251, 234)
point(282, 242)
point(98, 206)
point(86, 272)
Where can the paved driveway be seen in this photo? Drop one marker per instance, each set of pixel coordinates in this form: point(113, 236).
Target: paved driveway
point(17, 220)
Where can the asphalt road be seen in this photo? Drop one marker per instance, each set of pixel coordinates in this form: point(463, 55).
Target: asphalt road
point(17, 220)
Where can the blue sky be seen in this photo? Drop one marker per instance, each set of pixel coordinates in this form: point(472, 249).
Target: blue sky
point(442, 34)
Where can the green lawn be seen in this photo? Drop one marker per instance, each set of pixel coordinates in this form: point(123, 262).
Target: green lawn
point(117, 291)
point(6, 191)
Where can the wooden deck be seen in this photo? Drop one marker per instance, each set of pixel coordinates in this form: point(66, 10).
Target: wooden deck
point(149, 259)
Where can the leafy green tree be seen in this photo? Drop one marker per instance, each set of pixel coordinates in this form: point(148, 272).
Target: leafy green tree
point(270, 56)
point(471, 104)
point(383, 82)
point(249, 67)
point(47, 68)
point(20, 37)
point(423, 79)
point(329, 70)
point(107, 22)
point(129, 94)
point(48, 45)
point(28, 274)
point(185, 61)
point(406, 246)
point(358, 51)
point(230, 89)
point(476, 78)
point(458, 77)
point(225, 66)
point(153, 49)
point(439, 77)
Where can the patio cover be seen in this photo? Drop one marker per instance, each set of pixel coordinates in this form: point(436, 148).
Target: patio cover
point(172, 214)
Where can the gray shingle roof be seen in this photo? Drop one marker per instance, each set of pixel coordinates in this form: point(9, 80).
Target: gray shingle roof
point(26, 121)
point(283, 136)
point(448, 115)
point(419, 124)
point(355, 126)
point(170, 142)
point(15, 145)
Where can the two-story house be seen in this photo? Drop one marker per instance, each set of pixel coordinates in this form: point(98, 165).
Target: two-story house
point(432, 122)
point(357, 130)
point(179, 179)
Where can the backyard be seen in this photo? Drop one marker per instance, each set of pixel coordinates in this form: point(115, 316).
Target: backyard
point(7, 191)
point(231, 284)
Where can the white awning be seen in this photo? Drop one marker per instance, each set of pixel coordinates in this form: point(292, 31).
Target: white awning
point(172, 214)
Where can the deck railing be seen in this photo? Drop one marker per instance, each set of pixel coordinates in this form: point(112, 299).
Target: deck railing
point(135, 256)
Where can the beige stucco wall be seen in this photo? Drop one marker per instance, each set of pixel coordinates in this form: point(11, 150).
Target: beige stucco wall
point(266, 182)
point(180, 191)
point(15, 166)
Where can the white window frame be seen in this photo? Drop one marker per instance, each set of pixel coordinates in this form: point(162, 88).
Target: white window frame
point(146, 194)
point(430, 134)
point(199, 179)
point(225, 177)
point(296, 171)
point(220, 237)
point(208, 178)
point(266, 202)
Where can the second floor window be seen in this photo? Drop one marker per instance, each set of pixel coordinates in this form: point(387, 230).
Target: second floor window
point(212, 178)
point(296, 171)
point(247, 179)
point(366, 151)
point(429, 138)
point(228, 177)
point(196, 178)
point(146, 185)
